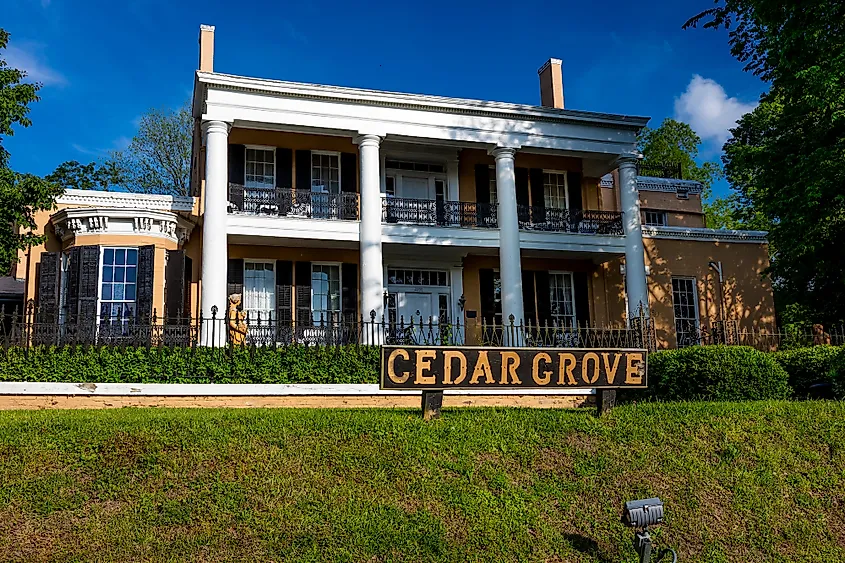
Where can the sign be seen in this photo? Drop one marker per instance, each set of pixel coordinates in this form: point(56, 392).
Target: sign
point(435, 368)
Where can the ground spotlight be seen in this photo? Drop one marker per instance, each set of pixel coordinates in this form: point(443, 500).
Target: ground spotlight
point(640, 514)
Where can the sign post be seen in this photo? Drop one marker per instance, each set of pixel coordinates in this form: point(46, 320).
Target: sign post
point(433, 369)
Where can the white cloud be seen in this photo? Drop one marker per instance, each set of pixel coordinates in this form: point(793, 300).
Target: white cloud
point(710, 112)
point(36, 69)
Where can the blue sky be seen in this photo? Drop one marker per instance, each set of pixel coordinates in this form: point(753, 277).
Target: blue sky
point(104, 63)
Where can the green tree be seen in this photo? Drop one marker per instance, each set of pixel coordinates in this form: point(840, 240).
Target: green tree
point(91, 176)
point(21, 195)
point(786, 159)
point(158, 160)
point(674, 142)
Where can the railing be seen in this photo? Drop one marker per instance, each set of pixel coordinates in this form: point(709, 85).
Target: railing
point(763, 337)
point(285, 202)
point(569, 220)
point(439, 213)
point(670, 171)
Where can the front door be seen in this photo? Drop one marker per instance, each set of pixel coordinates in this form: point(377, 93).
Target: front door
point(418, 311)
point(421, 206)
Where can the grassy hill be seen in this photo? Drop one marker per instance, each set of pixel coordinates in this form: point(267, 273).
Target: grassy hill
point(742, 482)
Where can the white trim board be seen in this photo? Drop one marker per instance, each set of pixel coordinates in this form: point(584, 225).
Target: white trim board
point(245, 389)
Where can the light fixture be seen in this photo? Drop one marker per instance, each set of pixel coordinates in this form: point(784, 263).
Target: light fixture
point(462, 302)
point(640, 514)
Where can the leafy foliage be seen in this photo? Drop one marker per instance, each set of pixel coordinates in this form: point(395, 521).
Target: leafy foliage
point(158, 160)
point(91, 176)
point(716, 373)
point(21, 195)
point(112, 364)
point(787, 158)
point(807, 366)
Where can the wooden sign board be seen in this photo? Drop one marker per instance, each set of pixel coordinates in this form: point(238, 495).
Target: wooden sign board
point(436, 368)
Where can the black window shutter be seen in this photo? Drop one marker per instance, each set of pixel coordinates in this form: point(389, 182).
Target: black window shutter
point(528, 305)
point(237, 164)
point(538, 196)
point(348, 172)
point(349, 294)
point(174, 285)
point(146, 274)
point(189, 277)
point(89, 282)
point(48, 287)
point(235, 277)
point(302, 280)
point(521, 181)
point(482, 183)
point(582, 298)
point(72, 280)
point(284, 299)
point(284, 168)
point(488, 302)
point(574, 184)
point(544, 303)
point(303, 170)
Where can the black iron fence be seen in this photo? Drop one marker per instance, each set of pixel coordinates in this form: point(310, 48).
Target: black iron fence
point(570, 220)
point(439, 213)
point(286, 202)
point(33, 328)
point(767, 338)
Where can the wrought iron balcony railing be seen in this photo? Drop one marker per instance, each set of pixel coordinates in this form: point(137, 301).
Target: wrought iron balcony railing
point(292, 203)
point(439, 213)
point(670, 171)
point(569, 220)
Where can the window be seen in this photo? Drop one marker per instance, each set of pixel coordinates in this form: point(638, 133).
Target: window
point(685, 304)
point(118, 283)
point(494, 194)
point(259, 291)
point(325, 292)
point(554, 190)
point(260, 168)
point(325, 173)
point(397, 276)
point(414, 166)
point(562, 299)
point(655, 218)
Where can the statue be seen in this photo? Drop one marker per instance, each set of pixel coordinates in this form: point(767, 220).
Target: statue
point(820, 337)
point(237, 326)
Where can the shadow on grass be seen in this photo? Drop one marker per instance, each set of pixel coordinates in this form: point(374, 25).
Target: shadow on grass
point(587, 546)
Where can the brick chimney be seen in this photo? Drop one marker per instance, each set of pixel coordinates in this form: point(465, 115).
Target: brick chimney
point(551, 84)
point(206, 48)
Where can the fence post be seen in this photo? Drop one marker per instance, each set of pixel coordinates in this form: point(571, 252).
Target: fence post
point(432, 401)
point(605, 400)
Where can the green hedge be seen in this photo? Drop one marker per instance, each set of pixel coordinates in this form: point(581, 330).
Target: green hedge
point(291, 364)
point(810, 365)
point(717, 373)
point(836, 376)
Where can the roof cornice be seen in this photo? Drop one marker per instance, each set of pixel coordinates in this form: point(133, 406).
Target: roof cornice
point(125, 200)
point(417, 101)
point(712, 235)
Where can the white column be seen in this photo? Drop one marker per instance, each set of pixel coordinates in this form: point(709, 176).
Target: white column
point(510, 266)
point(635, 275)
point(214, 250)
point(456, 285)
point(372, 264)
point(453, 192)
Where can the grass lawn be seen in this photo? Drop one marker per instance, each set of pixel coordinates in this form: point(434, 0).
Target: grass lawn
point(746, 482)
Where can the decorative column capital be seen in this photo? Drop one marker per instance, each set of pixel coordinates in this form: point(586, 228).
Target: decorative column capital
point(503, 153)
point(627, 160)
point(367, 140)
point(216, 127)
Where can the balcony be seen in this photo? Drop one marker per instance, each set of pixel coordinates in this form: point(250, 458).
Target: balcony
point(284, 202)
point(470, 214)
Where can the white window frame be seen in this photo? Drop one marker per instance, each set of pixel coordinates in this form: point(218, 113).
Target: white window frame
point(311, 171)
point(565, 175)
point(398, 176)
point(275, 163)
point(243, 296)
point(664, 215)
point(100, 279)
point(574, 317)
point(340, 287)
point(697, 319)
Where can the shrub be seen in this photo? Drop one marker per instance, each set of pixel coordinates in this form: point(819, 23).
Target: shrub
point(718, 373)
point(113, 364)
point(808, 366)
point(836, 376)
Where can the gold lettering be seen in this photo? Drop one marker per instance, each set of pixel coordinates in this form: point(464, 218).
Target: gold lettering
point(535, 372)
point(391, 372)
point(510, 361)
point(424, 358)
point(633, 376)
point(482, 368)
point(567, 364)
point(590, 356)
point(448, 356)
point(611, 370)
